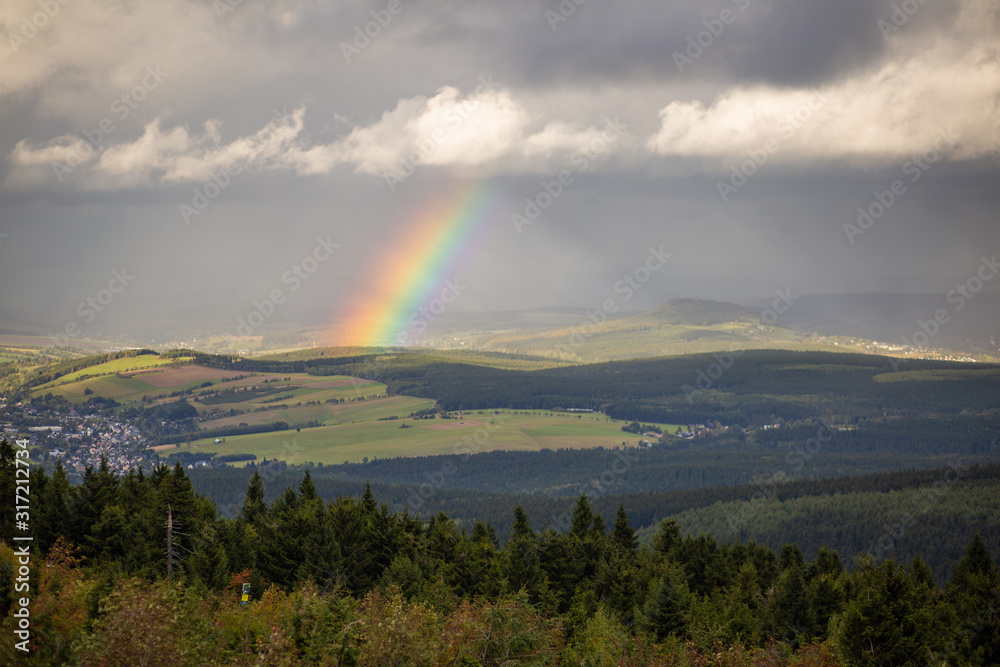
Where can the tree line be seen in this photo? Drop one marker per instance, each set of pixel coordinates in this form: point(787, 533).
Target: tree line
point(347, 582)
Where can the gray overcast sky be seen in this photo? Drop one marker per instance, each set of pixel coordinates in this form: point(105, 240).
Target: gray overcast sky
point(114, 114)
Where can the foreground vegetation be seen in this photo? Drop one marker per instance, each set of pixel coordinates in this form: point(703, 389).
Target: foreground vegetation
point(347, 582)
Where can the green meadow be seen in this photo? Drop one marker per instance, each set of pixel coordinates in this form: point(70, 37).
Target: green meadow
point(328, 414)
point(129, 379)
point(353, 442)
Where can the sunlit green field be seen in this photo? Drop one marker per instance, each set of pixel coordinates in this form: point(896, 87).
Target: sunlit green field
point(129, 380)
point(588, 344)
point(123, 365)
point(940, 375)
point(502, 430)
point(329, 414)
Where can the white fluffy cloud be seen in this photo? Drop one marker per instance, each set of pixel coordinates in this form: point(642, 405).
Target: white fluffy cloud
point(889, 112)
point(158, 156)
point(485, 128)
point(446, 129)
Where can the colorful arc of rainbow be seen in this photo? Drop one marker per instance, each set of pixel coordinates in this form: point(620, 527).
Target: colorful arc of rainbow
point(435, 247)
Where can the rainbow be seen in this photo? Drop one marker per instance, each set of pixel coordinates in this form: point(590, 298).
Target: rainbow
point(433, 247)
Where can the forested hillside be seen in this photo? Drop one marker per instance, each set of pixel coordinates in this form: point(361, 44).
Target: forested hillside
point(928, 512)
point(743, 388)
point(349, 582)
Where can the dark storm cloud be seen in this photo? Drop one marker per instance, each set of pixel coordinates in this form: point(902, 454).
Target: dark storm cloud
point(779, 42)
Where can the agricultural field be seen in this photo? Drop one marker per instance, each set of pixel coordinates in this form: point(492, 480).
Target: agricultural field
point(939, 375)
point(328, 414)
point(475, 358)
point(159, 379)
point(354, 442)
point(645, 340)
point(33, 350)
point(17, 354)
point(126, 367)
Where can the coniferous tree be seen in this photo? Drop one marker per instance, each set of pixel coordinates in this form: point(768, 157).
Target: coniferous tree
point(8, 477)
point(484, 564)
point(307, 489)
point(208, 564)
point(790, 614)
point(54, 513)
point(282, 545)
point(888, 621)
point(322, 562)
point(974, 593)
point(522, 565)
point(668, 534)
point(582, 517)
point(622, 535)
point(254, 507)
point(96, 493)
point(667, 608)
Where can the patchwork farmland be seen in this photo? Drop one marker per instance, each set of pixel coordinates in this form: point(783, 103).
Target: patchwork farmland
point(330, 419)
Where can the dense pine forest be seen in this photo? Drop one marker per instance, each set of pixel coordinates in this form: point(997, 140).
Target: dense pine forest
point(140, 569)
point(924, 512)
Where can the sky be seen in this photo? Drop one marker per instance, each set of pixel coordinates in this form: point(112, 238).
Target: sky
point(198, 162)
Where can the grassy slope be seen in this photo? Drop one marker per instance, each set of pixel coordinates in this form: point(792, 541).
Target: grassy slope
point(379, 355)
point(385, 439)
point(125, 364)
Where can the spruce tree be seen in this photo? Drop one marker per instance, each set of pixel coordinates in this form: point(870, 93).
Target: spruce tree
point(583, 517)
point(668, 534)
point(254, 507)
point(974, 592)
point(666, 610)
point(622, 535)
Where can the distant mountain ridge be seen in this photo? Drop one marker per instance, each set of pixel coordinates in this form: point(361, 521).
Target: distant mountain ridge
point(835, 322)
point(699, 312)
